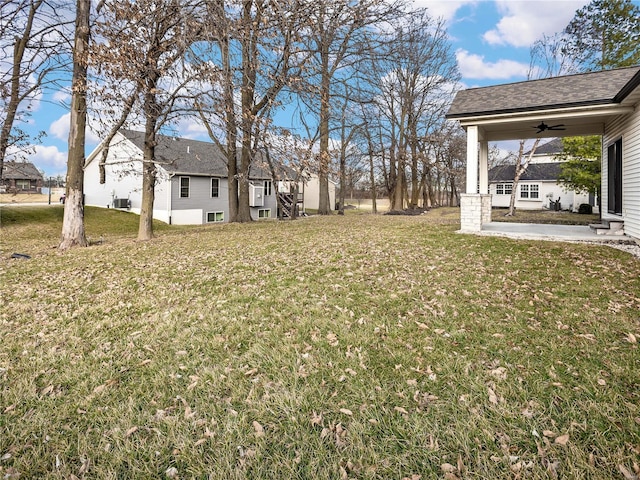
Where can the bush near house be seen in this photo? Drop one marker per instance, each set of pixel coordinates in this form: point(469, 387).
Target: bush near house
point(361, 346)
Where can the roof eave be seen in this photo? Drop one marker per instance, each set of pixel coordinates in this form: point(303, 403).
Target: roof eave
point(600, 109)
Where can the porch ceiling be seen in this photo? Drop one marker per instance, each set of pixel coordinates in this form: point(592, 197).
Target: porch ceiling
point(523, 125)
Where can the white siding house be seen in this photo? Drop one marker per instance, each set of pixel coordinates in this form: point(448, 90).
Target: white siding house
point(538, 186)
point(191, 188)
point(605, 103)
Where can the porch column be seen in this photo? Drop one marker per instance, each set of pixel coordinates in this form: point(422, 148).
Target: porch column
point(472, 159)
point(471, 202)
point(484, 167)
point(485, 199)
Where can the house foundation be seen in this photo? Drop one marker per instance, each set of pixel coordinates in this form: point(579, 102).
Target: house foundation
point(475, 210)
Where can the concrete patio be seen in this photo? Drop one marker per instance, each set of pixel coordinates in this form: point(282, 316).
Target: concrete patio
point(562, 233)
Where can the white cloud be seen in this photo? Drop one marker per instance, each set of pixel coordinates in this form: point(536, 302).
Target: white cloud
point(49, 159)
point(188, 127)
point(524, 22)
point(61, 96)
point(473, 66)
point(445, 9)
point(60, 127)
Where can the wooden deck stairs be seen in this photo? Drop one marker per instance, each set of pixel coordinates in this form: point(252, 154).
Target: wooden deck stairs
point(289, 204)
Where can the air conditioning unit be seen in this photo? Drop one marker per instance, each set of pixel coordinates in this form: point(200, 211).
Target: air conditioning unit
point(256, 196)
point(121, 203)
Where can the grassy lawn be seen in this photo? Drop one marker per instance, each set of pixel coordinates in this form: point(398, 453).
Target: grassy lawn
point(362, 346)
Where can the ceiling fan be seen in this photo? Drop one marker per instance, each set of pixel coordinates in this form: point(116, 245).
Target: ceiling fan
point(543, 126)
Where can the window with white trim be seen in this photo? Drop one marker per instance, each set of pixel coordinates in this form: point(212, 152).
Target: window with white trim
point(264, 213)
point(184, 187)
point(528, 191)
point(267, 188)
point(215, 187)
point(504, 188)
point(214, 217)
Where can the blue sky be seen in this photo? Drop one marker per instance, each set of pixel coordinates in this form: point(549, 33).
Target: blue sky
point(491, 40)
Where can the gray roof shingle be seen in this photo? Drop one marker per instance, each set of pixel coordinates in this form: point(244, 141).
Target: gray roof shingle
point(21, 171)
point(190, 157)
point(534, 172)
point(594, 88)
point(553, 147)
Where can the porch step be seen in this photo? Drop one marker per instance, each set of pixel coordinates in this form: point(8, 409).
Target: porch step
point(608, 227)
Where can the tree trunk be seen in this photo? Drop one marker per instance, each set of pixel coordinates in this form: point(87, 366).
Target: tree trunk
point(73, 233)
point(145, 226)
point(324, 207)
point(521, 167)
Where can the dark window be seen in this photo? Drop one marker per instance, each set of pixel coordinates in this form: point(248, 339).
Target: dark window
point(267, 188)
point(215, 187)
point(184, 187)
point(614, 177)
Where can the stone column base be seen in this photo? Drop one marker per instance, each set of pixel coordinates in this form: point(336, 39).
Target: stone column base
point(475, 210)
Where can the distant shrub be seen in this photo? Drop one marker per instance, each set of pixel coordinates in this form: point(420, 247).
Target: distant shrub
point(585, 208)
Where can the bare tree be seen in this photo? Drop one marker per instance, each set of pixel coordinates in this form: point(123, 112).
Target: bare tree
point(32, 43)
point(257, 43)
point(341, 34)
point(417, 76)
point(138, 59)
point(521, 163)
point(73, 233)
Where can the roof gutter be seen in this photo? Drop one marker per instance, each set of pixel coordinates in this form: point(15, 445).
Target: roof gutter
point(549, 114)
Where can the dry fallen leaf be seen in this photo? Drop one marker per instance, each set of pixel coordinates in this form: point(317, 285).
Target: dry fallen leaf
point(257, 428)
point(346, 411)
point(447, 468)
point(548, 434)
point(626, 473)
point(631, 338)
point(401, 410)
point(493, 398)
point(562, 439)
point(131, 431)
point(316, 418)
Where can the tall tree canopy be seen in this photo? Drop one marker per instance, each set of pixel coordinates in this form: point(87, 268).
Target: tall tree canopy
point(605, 34)
point(581, 165)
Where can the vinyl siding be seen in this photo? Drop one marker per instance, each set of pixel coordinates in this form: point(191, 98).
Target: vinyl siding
point(628, 128)
point(199, 198)
point(123, 179)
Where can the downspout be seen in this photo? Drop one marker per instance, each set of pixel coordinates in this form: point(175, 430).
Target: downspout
point(169, 197)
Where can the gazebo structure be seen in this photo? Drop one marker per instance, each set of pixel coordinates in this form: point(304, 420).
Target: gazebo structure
point(603, 103)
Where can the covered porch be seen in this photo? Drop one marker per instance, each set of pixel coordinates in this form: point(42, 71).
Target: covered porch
point(577, 105)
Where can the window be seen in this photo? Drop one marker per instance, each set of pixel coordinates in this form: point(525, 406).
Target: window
point(184, 187)
point(529, 191)
point(264, 213)
point(215, 217)
point(504, 188)
point(614, 178)
point(215, 187)
point(267, 188)
point(23, 184)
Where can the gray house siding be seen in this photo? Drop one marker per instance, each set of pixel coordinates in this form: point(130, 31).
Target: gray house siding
point(200, 196)
point(200, 202)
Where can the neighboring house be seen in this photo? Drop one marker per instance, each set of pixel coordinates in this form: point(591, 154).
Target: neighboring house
point(538, 186)
point(605, 103)
point(191, 188)
point(21, 177)
point(311, 189)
